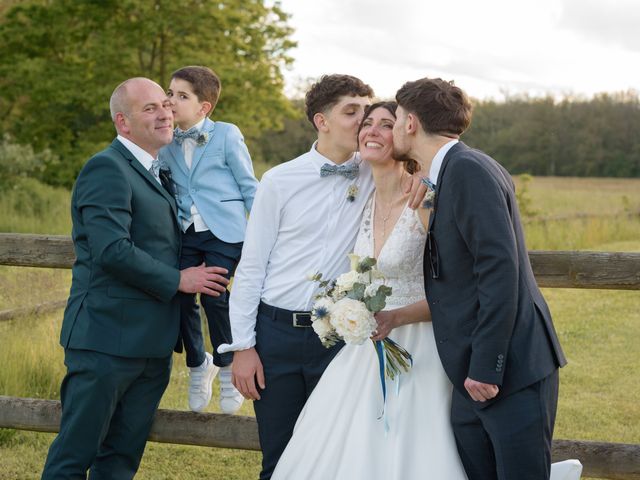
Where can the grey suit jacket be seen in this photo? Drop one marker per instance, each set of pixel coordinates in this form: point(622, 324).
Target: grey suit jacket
point(490, 320)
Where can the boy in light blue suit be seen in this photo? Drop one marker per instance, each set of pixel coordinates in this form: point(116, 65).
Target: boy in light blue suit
point(215, 186)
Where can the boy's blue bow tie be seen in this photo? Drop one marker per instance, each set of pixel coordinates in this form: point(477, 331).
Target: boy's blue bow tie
point(179, 135)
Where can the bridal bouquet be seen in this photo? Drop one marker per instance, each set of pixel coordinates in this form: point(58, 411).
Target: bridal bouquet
point(344, 310)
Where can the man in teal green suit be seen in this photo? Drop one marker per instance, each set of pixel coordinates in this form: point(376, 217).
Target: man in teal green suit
point(122, 318)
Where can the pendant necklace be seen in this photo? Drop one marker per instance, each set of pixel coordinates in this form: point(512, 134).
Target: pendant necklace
point(385, 217)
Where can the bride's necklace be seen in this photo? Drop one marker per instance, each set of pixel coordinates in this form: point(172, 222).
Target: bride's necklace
point(384, 217)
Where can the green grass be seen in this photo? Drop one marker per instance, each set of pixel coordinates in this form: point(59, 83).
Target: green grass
point(599, 331)
point(32, 207)
point(566, 196)
point(33, 367)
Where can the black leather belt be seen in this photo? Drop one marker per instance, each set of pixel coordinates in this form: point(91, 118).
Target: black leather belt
point(293, 318)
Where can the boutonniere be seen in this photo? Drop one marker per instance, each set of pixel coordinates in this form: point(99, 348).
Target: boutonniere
point(166, 179)
point(352, 192)
point(430, 196)
point(164, 166)
point(202, 139)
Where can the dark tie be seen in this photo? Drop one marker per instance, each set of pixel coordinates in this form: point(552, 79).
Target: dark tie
point(166, 181)
point(347, 171)
point(180, 135)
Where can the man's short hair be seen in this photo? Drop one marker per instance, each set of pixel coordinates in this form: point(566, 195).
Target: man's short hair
point(327, 91)
point(119, 101)
point(204, 81)
point(441, 107)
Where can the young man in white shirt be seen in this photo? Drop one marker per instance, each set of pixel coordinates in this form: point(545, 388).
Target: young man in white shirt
point(305, 219)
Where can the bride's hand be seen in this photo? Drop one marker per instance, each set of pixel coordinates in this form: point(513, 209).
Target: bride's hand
point(386, 322)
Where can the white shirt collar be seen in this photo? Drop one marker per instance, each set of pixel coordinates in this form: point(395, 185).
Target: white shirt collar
point(436, 163)
point(141, 155)
point(197, 126)
point(318, 159)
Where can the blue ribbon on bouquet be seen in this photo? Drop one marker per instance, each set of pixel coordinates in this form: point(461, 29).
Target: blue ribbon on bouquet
point(382, 358)
point(380, 350)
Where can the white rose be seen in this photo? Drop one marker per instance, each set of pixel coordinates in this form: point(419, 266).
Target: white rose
point(352, 321)
point(322, 327)
point(372, 289)
point(345, 282)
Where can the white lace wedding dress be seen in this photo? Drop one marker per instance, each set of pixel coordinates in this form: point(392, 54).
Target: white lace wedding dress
point(341, 433)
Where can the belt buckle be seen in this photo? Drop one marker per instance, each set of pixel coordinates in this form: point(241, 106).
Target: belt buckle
point(301, 316)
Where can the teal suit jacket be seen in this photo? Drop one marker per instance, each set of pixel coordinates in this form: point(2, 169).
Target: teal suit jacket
point(127, 242)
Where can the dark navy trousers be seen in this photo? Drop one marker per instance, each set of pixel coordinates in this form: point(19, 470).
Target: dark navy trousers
point(197, 248)
point(511, 438)
point(293, 360)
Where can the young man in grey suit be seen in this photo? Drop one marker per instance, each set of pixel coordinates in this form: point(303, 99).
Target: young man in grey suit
point(122, 318)
point(492, 326)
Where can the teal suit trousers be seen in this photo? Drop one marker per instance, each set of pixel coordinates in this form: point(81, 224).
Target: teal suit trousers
point(109, 404)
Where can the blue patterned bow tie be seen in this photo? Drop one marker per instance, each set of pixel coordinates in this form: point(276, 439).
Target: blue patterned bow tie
point(155, 169)
point(347, 171)
point(179, 135)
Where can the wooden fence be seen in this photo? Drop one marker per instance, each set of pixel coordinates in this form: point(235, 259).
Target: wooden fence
point(598, 270)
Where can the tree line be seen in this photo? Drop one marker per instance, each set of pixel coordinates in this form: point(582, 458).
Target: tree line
point(60, 60)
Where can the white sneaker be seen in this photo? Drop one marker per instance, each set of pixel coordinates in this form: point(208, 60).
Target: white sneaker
point(230, 398)
point(200, 379)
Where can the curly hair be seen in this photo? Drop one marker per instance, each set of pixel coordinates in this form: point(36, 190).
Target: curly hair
point(327, 91)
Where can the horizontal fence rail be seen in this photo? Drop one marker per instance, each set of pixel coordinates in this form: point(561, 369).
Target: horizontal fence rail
point(605, 270)
point(616, 461)
point(39, 309)
point(170, 426)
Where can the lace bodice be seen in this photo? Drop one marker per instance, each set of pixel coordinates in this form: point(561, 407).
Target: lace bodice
point(400, 259)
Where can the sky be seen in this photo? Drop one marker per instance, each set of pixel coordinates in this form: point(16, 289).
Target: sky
point(490, 48)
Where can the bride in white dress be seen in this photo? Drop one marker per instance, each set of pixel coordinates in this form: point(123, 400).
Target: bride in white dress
point(342, 432)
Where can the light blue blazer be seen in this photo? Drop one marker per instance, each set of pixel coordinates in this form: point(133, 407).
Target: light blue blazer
point(220, 182)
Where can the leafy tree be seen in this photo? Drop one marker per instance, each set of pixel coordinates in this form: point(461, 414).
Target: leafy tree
point(20, 161)
point(61, 59)
point(294, 138)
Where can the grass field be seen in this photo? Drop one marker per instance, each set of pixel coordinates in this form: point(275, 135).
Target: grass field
point(599, 330)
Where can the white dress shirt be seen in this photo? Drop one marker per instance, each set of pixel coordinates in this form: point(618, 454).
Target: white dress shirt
point(436, 163)
point(300, 224)
point(141, 155)
point(188, 146)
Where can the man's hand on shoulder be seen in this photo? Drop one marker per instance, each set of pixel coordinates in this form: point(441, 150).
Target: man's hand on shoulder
point(246, 369)
point(480, 392)
point(202, 279)
point(416, 190)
